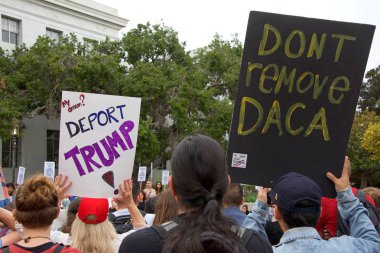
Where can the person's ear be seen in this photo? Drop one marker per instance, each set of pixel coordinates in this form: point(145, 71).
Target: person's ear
point(171, 185)
point(242, 200)
point(229, 180)
point(277, 214)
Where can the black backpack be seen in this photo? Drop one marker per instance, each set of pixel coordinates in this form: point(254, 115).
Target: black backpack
point(343, 226)
point(122, 223)
point(162, 230)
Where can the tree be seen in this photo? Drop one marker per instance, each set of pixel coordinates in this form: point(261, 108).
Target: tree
point(371, 140)
point(220, 62)
point(361, 162)
point(11, 105)
point(370, 92)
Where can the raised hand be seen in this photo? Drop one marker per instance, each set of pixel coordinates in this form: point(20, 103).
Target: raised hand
point(343, 182)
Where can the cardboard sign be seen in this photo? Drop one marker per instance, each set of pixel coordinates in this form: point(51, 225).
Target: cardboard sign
point(49, 170)
point(4, 191)
point(142, 174)
point(165, 177)
point(298, 89)
point(98, 138)
point(21, 175)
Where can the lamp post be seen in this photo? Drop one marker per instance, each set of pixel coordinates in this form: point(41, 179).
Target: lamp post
point(14, 136)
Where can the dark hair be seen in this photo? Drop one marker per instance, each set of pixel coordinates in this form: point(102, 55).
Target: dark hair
point(158, 190)
point(295, 220)
point(72, 211)
point(143, 193)
point(166, 208)
point(234, 195)
point(11, 185)
point(150, 205)
point(200, 180)
point(37, 202)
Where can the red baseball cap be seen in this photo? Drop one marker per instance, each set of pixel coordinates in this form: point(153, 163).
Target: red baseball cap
point(95, 207)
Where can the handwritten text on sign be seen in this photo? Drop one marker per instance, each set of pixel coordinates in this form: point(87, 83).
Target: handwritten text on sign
point(98, 140)
point(298, 87)
point(275, 78)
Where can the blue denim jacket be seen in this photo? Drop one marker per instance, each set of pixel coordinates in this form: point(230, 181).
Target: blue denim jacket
point(364, 237)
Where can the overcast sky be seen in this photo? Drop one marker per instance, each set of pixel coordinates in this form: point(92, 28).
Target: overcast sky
point(198, 20)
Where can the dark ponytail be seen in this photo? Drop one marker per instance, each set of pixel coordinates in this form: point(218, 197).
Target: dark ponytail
point(200, 179)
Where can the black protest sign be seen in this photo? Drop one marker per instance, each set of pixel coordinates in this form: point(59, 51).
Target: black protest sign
point(298, 89)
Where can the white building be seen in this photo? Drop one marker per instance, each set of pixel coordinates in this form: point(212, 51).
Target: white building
point(22, 21)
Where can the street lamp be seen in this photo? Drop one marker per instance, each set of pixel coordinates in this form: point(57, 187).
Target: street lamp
point(14, 137)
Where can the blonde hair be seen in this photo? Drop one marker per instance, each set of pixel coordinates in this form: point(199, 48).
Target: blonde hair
point(93, 238)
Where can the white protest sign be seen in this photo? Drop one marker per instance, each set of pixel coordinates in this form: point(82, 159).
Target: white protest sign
point(4, 190)
point(21, 175)
point(142, 174)
point(165, 177)
point(49, 170)
point(98, 138)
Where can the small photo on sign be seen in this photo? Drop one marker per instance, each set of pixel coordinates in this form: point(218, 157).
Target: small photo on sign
point(49, 170)
point(165, 177)
point(142, 174)
point(239, 160)
point(21, 175)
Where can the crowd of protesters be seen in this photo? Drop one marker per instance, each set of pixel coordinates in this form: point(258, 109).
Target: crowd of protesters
point(201, 211)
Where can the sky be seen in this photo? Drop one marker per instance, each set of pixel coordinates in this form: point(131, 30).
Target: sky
point(197, 21)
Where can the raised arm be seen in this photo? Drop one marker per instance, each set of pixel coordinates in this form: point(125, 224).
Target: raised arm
point(125, 199)
point(366, 237)
point(7, 218)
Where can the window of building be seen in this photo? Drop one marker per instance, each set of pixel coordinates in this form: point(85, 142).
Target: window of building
point(6, 153)
point(53, 34)
point(52, 146)
point(10, 30)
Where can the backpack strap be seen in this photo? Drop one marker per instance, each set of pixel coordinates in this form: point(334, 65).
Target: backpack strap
point(361, 196)
point(59, 248)
point(245, 234)
point(111, 217)
point(164, 228)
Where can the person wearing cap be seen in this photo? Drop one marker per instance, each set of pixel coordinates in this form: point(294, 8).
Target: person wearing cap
point(92, 231)
point(297, 201)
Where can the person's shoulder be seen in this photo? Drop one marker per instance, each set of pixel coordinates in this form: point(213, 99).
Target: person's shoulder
point(144, 240)
point(68, 249)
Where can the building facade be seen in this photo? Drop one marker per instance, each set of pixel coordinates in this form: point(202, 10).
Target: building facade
point(22, 21)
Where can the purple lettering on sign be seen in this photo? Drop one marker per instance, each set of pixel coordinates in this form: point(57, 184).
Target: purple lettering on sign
point(73, 153)
point(110, 143)
point(106, 162)
point(114, 141)
point(125, 128)
point(87, 153)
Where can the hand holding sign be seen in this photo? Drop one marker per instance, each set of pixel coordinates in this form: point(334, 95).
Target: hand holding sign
point(342, 183)
point(62, 184)
point(126, 196)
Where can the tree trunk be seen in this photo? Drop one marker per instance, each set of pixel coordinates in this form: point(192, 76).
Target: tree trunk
point(363, 181)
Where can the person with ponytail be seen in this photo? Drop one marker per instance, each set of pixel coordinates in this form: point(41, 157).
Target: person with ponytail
point(199, 181)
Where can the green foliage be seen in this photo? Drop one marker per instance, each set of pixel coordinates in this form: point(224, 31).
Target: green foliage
point(360, 158)
point(250, 193)
point(370, 92)
point(371, 141)
point(181, 93)
point(220, 62)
